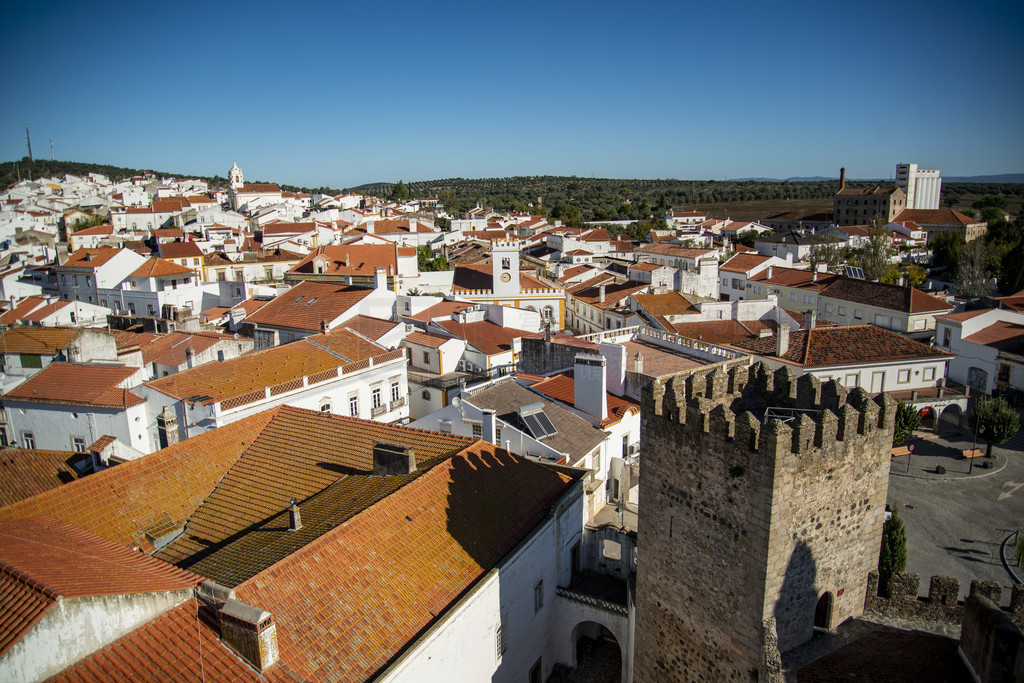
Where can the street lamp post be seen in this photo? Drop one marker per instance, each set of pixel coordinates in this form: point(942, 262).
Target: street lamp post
point(910, 455)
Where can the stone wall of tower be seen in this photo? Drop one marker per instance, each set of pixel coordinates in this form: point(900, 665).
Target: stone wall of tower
point(744, 520)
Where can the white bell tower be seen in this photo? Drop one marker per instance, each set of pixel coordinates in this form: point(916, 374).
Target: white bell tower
point(505, 267)
point(235, 177)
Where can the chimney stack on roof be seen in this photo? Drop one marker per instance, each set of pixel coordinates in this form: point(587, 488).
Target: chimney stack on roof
point(782, 341)
point(842, 179)
point(600, 294)
point(294, 516)
point(390, 458)
point(590, 386)
point(769, 272)
point(249, 631)
point(810, 319)
point(380, 278)
point(489, 426)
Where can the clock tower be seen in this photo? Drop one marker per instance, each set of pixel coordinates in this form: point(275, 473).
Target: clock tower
point(505, 267)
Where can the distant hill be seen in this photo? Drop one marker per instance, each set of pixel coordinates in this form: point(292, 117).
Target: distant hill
point(1001, 178)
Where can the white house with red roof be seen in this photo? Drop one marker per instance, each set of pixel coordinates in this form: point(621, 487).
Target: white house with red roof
point(989, 348)
point(696, 269)
point(737, 271)
point(68, 406)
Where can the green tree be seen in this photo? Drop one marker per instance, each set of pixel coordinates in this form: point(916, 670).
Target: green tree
point(874, 256)
point(831, 251)
point(972, 270)
point(399, 192)
point(993, 420)
point(442, 223)
point(427, 260)
point(907, 420)
point(892, 558)
point(569, 214)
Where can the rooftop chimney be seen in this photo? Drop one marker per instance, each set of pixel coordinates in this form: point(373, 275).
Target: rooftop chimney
point(782, 341)
point(489, 426)
point(390, 458)
point(810, 319)
point(842, 179)
point(590, 392)
point(250, 631)
point(600, 294)
point(323, 327)
point(380, 278)
point(769, 272)
point(294, 516)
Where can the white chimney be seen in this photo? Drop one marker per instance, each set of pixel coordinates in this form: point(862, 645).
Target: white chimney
point(489, 425)
point(600, 294)
point(590, 389)
point(380, 278)
point(782, 341)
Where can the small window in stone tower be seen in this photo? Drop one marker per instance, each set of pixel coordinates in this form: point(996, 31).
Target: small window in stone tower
point(506, 263)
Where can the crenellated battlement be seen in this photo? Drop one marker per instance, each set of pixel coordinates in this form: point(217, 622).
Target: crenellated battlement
point(771, 412)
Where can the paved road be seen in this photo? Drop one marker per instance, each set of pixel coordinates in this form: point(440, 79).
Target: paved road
point(955, 526)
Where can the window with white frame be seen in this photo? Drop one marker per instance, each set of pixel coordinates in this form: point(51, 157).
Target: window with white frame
point(78, 444)
point(903, 376)
point(353, 405)
point(376, 397)
point(858, 314)
point(325, 406)
point(28, 440)
point(396, 390)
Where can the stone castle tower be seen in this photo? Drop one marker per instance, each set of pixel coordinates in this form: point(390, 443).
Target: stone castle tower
point(750, 524)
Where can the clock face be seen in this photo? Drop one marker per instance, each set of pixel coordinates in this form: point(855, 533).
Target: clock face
point(505, 277)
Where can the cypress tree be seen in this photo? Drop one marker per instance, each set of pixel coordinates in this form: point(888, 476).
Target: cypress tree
point(892, 558)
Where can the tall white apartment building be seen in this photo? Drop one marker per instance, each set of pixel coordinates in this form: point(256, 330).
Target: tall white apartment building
point(922, 187)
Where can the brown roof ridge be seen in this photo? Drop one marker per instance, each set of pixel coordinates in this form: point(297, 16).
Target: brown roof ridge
point(310, 548)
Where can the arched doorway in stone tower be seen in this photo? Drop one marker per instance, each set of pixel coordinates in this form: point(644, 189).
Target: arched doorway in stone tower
point(823, 611)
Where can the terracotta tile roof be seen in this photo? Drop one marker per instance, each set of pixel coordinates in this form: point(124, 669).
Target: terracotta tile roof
point(589, 292)
point(569, 273)
point(658, 360)
point(573, 435)
point(38, 340)
point(1002, 335)
point(443, 309)
point(183, 644)
point(673, 250)
point(35, 556)
point(157, 267)
point(43, 312)
point(283, 228)
point(324, 461)
point(646, 267)
point(963, 315)
point(564, 339)
point(170, 348)
point(668, 303)
point(561, 388)
point(307, 304)
point(483, 335)
point(164, 488)
point(23, 308)
point(350, 259)
point(132, 340)
point(82, 384)
point(431, 341)
point(473, 276)
point(258, 188)
point(881, 295)
point(24, 473)
point(180, 250)
point(794, 277)
point(95, 230)
point(862, 191)
point(935, 217)
point(176, 233)
point(844, 345)
point(91, 258)
point(743, 263)
point(371, 328)
point(719, 331)
point(394, 569)
point(251, 372)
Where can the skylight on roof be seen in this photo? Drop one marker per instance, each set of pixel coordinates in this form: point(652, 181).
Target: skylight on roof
point(300, 299)
point(311, 301)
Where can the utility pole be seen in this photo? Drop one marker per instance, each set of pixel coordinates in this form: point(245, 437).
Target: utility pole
point(28, 141)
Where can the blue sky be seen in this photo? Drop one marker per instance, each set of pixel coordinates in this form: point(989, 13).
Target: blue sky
point(341, 94)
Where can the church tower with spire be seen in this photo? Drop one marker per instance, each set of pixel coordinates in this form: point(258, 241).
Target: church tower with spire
point(235, 177)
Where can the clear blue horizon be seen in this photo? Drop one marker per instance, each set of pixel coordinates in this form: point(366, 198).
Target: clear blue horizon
point(342, 94)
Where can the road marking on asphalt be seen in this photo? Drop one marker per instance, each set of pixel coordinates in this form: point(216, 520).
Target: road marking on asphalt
point(1007, 494)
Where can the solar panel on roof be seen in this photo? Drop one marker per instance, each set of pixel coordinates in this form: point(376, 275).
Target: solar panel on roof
point(538, 425)
point(855, 271)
